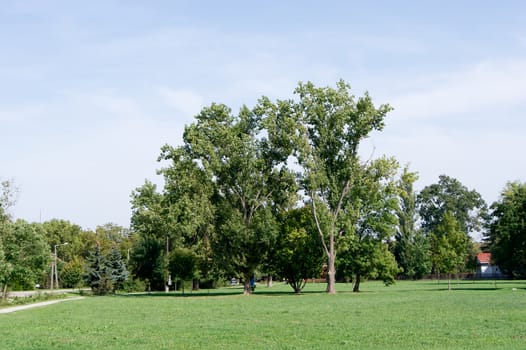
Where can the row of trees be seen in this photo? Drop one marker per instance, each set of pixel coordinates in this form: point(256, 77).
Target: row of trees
point(84, 257)
point(279, 189)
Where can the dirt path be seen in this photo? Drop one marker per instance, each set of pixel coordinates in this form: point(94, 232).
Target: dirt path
point(28, 293)
point(30, 306)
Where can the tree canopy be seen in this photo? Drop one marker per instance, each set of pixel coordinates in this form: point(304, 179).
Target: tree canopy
point(329, 125)
point(507, 230)
point(450, 195)
point(411, 247)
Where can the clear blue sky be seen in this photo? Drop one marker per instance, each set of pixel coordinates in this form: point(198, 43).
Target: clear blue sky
point(90, 91)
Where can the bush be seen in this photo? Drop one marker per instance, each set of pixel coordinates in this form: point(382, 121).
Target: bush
point(71, 275)
point(134, 285)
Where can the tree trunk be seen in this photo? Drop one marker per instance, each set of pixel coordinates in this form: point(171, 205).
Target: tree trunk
point(195, 284)
point(247, 289)
point(4, 292)
point(356, 288)
point(449, 281)
point(331, 273)
point(269, 281)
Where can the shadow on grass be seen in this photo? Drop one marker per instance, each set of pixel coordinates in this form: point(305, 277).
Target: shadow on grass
point(215, 293)
point(419, 286)
point(474, 282)
point(467, 285)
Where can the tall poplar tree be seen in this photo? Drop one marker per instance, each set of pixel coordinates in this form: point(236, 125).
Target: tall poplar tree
point(411, 245)
point(330, 124)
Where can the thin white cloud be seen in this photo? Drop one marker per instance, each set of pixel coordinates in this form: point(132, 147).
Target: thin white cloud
point(92, 178)
point(184, 101)
point(22, 114)
point(482, 87)
point(106, 101)
point(390, 43)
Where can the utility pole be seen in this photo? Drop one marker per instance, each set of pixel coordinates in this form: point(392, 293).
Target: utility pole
point(166, 285)
point(52, 268)
point(54, 273)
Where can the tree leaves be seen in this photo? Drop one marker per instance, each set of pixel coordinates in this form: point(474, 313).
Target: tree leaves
point(507, 230)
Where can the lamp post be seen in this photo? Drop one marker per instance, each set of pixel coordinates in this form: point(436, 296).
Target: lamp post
point(54, 273)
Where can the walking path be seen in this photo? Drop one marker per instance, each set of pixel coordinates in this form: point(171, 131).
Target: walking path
point(29, 306)
point(28, 293)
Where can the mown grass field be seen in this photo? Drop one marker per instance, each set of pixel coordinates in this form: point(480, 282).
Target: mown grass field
point(408, 315)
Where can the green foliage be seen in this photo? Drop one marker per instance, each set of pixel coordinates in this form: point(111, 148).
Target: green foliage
point(449, 195)
point(71, 275)
point(225, 186)
point(148, 213)
point(450, 246)
point(507, 230)
point(153, 223)
point(298, 253)
point(117, 268)
point(5, 269)
point(183, 264)
point(411, 244)
point(240, 248)
point(373, 202)
point(249, 181)
point(105, 273)
point(368, 258)
point(97, 275)
point(134, 285)
point(26, 252)
point(330, 124)
point(414, 255)
point(188, 194)
point(58, 232)
point(147, 261)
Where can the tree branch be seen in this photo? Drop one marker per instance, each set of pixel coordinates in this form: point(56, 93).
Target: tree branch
point(318, 224)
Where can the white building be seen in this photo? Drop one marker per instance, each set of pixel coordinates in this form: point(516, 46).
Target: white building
point(485, 268)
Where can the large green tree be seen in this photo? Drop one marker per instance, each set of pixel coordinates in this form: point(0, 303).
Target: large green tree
point(250, 180)
point(298, 255)
point(26, 252)
point(328, 126)
point(66, 235)
point(507, 230)
point(450, 195)
point(189, 193)
point(147, 261)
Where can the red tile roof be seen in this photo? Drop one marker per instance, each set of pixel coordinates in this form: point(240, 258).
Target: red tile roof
point(484, 258)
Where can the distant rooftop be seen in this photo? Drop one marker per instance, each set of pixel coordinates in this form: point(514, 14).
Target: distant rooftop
point(484, 258)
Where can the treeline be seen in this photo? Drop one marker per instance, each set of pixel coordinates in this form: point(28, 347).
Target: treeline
point(27, 255)
point(280, 190)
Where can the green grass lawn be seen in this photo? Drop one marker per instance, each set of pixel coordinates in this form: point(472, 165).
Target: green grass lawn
point(408, 315)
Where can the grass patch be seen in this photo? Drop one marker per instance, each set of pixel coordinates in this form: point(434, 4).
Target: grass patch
point(408, 315)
